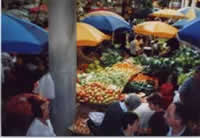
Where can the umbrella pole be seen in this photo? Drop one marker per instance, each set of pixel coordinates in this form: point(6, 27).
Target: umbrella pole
point(113, 37)
point(62, 54)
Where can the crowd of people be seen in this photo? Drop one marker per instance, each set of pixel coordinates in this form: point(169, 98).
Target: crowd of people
point(179, 117)
point(26, 74)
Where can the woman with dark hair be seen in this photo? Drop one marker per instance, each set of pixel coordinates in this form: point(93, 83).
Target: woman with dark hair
point(41, 125)
point(130, 124)
point(157, 124)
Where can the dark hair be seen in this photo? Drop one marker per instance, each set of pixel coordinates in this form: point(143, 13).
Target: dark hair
point(36, 106)
point(173, 43)
point(128, 118)
point(181, 112)
point(197, 69)
point(158, 124)
point(156, 99)
point(138, 37)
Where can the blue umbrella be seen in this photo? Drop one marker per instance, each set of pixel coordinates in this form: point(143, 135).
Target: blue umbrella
point(20, 36)
point(181, 23)
point(107, 24)
point(185, 11)
point(190, 33)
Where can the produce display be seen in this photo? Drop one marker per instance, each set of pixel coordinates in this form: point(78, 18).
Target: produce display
point(183, 60)
point(145, 78)
point(154, 65)
point(137, 87)
point(104, 80)
point(186, 59)
point(110, 57)
point(94, 67)
point(105, 86)
point(97, 94)
point(112, 77)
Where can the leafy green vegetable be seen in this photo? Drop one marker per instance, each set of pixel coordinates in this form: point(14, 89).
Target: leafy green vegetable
point(139, 87)
point(110, 57)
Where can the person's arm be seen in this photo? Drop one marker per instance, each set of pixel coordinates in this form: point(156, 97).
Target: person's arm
point(185, 87)
point(82, 55)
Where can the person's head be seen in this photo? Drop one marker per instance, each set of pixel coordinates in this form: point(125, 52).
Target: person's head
point(156, 102)
point(158, 125)
point(132, 102)
point(130, 122)
point(197, 73)
point(173, 43)
point(175, 115)
point(39, 107)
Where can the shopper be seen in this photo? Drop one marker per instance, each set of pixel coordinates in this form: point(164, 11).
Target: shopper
point(111, 124)
point(157, 124)
point(130, 124)
point(189, 91)
point(41, 125)
point(176, 118)
point(156, 102)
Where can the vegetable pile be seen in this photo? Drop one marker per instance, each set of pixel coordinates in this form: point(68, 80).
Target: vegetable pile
point(105, 86)
point(110, 57)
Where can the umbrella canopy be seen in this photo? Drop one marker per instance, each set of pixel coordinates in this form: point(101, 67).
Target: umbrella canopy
point(104, 13)
point(168, 13)
point(87, 35)
point(107, 24)
point(20, 36)
point(156, 28)
point(190, 13)
point(190, 33)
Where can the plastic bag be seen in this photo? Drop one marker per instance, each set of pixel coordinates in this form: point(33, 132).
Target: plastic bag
point(96, 117)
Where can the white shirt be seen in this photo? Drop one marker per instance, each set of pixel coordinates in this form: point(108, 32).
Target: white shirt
point(46, 87)
point(144, 113)
point(179, 134)
point(38, 128)
point(123, 106)
point(176, 97)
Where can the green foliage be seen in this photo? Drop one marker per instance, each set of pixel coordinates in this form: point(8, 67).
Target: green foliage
point(186, 58)
point(184, 76)
point(110, 57)
point(182, 63)
point(136, 87)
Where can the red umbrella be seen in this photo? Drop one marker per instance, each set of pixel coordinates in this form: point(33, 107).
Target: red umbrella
point(100, 9)
point(19, 104)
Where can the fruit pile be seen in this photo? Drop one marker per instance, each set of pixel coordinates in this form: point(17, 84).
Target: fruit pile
point(94, 67)
point(127, 68)
point(81, 127)
point(96, 93)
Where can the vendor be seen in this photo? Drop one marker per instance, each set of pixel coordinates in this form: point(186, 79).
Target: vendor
point(82, 58)
point(136, 47)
